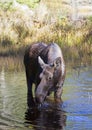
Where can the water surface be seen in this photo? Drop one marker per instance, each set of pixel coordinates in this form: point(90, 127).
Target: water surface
point(75, 113)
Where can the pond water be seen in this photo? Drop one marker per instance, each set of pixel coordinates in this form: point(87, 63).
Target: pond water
point(74, 113)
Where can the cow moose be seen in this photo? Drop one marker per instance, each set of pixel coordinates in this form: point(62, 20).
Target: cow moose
point(45, 67)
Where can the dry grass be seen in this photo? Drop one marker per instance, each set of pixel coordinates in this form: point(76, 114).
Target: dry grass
point(11, 63)
point(21, 26)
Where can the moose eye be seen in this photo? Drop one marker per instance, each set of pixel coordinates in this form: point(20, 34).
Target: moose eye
point(49, 78)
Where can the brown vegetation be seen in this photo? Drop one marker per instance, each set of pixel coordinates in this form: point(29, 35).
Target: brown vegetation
point(20, 26)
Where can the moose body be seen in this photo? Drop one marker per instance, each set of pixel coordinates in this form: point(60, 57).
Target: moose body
point(45, 67)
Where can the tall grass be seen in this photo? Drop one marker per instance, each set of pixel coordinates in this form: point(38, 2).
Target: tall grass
point(24, 25)
point(21, 26)
point(11, 63)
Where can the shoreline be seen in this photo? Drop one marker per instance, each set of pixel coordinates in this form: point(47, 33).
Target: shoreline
point(11, 58)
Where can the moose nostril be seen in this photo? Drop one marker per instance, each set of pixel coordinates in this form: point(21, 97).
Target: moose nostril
point(39, 98)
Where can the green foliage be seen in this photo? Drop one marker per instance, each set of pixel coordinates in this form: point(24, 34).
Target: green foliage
point(90, 18)
point(6, 5)
point(30, 3)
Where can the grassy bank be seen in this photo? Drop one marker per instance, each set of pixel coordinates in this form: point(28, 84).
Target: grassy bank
point(21, 25)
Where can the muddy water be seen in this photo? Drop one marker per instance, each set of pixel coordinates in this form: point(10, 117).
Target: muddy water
point(74, 113)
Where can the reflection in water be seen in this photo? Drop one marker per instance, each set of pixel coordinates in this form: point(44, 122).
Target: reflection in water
point(46, 118)
point(77, 104)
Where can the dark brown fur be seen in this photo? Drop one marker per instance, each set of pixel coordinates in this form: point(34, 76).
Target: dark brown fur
point(33, 71)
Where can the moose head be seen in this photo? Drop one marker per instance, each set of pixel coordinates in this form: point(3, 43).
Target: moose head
point(48, 78)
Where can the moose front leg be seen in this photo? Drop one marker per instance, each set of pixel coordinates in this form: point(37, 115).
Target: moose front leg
point(30, 99)
point(58, 91)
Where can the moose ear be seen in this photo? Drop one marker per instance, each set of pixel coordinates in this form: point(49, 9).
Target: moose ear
point(41, 62)
point(57, 62)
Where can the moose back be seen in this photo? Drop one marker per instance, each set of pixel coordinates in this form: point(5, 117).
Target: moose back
point(45, 67)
